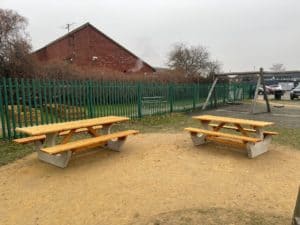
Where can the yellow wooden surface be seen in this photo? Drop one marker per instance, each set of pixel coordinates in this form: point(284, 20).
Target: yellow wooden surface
point(246, 129)
point(59, 127)
point(42, 137)
point(26, 140)
point(86, 143)
point(220, 134)
point(233, 120)
point(80, 130)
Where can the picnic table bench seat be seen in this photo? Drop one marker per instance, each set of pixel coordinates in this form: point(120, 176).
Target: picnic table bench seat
point(225, 135)
point(246, 129)
point(30, 139)
point(88, 143)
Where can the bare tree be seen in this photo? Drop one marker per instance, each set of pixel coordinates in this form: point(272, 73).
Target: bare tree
point(277, 67)
point(14, 44)
point(192, 60)
point(214, 66)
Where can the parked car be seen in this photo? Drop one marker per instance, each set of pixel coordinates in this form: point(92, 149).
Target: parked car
point(295, 93)
point(271, 89)
point(261, 90)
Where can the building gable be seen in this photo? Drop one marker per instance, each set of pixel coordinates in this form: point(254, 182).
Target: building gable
point(88, 47)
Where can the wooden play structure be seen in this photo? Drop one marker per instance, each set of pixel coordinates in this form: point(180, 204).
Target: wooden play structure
point(259, 75)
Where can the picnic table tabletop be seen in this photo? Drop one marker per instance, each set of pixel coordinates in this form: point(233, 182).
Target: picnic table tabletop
point(253, 123)
point(58, 127)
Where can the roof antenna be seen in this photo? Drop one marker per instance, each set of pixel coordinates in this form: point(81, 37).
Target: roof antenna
point(68, 26)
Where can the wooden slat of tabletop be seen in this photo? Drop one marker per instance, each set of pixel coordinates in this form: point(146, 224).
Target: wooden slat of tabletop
point(57, 127)
point(233, 120)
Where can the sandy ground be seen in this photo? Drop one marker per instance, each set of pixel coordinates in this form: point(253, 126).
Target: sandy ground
point(153, 175)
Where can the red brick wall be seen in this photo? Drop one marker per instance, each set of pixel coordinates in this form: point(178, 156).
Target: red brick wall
point(86, 44)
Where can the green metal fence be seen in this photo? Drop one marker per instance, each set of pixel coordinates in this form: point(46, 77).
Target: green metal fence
point(25, 102)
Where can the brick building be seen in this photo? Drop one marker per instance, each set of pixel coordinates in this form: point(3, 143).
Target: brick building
point(87, 47)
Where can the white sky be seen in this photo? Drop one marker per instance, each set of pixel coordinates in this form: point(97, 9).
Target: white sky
point(242, 34)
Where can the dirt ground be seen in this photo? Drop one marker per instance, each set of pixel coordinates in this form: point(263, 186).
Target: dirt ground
point(157, 178)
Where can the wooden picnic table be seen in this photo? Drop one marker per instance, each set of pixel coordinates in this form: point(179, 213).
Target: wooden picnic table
point(59, 127)
point(252, 135)
point(44, 137)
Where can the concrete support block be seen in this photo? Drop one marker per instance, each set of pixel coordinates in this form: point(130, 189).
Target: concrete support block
point(198, 139)
point(115, 145)
point(106, 129)
point(61, 160)
point(256, 149)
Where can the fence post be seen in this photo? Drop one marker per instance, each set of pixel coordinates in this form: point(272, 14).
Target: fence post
point(2, 114)
point(7, 115)
point(224, 92)
point(89, 98)
point(139, 100)
point(171, 96)
point(194, 96)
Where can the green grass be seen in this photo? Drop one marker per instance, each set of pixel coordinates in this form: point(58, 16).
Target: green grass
point(288, 136)
point(10, 151)
point(174, 122)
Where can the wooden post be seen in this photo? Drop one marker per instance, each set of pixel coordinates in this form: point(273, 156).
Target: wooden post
point(255, 95)
point(261, 74)
point(296, 216)
point(210, 92)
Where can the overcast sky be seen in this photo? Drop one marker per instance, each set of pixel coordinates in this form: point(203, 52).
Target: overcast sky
point(242, 34)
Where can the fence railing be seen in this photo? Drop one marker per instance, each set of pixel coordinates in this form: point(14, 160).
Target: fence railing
point(25, 102)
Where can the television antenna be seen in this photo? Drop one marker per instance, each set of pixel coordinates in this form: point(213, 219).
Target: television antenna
point(68, 26)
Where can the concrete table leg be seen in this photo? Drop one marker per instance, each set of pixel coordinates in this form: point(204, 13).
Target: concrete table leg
point(205, 124)
point(256, 149)
point(114, 145)
point(106, 128)
point(198, 139)
point(61, 160)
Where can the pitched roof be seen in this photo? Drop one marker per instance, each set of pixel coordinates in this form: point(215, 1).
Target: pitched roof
point(101, 33)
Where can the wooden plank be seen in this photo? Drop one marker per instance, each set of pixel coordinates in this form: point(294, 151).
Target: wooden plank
point(241, 129)
point(220, 134)
point(210, 93)
point(80, 130)
point(68, 137)
point(58, 127)
point(86, 143)
point(219, 126)
point(29, 139)
point(233, 120)
point(92, 132)
point(254, 100)
point(246, 129)
point(42, 137)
